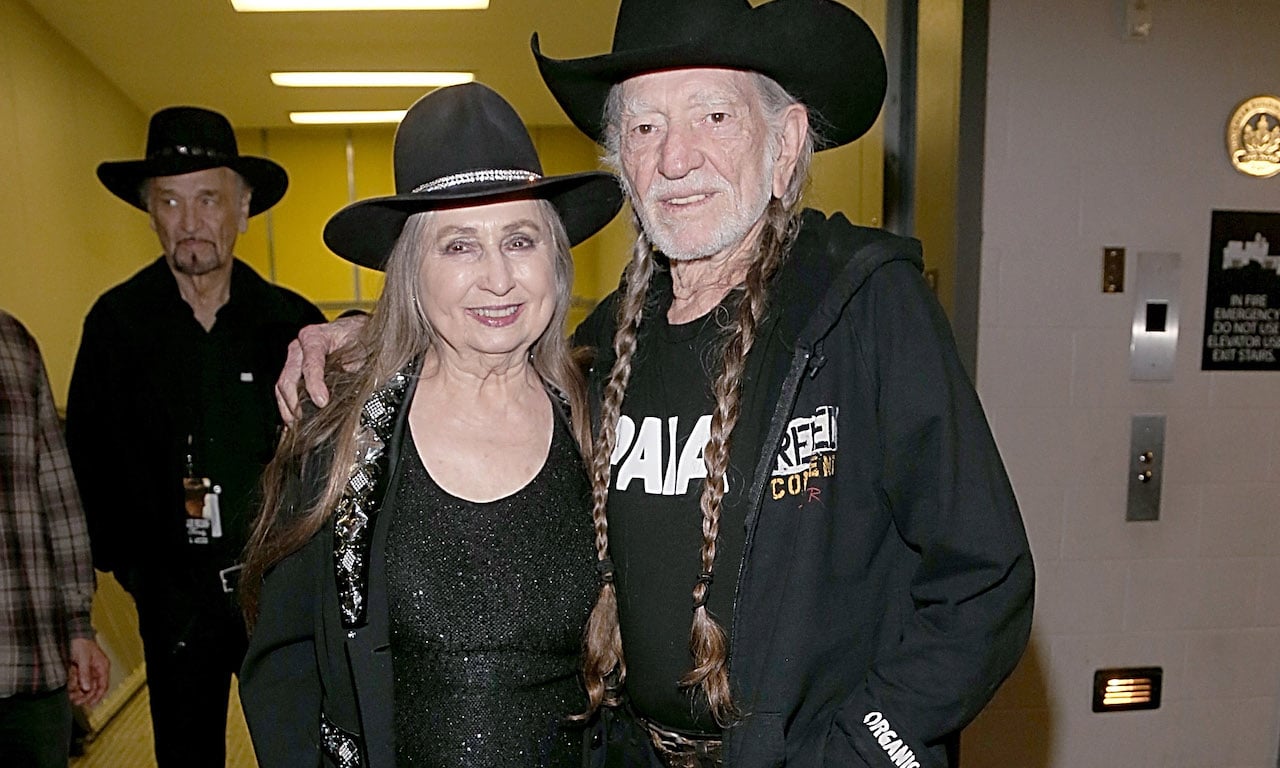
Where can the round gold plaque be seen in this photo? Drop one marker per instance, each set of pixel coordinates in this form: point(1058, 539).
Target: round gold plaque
point(1253, 137)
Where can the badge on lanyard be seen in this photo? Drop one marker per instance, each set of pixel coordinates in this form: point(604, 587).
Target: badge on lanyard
point(200, 499)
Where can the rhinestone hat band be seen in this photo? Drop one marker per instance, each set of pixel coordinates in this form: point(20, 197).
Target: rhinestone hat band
point(474, 177)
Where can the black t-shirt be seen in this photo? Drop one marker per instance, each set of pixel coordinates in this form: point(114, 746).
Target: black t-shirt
point(655, 517)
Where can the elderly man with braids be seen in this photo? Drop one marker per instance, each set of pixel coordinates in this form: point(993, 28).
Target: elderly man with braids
point(809, 550)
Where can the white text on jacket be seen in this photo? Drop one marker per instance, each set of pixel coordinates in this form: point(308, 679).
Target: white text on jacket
point(888, 739)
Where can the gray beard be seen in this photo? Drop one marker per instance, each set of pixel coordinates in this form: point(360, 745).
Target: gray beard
point(729, 232)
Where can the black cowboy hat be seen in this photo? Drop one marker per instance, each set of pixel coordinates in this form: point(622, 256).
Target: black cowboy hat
point(818, 50)
point(464, 145)
point(189, 139)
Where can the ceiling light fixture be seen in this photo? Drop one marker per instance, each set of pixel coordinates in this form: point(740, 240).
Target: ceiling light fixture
point(346, 118)
point(252, 6)
point(370, 79)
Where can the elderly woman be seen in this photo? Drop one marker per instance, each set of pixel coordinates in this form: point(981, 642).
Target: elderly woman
point(423, 566)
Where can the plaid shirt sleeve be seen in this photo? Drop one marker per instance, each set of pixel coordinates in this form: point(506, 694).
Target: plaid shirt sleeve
point(45, 563)
point(68, 534)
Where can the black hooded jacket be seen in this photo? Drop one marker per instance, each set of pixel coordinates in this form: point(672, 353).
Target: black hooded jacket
point(886, 584)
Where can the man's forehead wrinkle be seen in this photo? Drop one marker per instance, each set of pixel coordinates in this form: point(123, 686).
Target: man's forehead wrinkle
point(633, 105)
point(726, 93)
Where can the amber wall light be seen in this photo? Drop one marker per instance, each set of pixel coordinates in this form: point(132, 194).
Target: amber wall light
point(1126, 688)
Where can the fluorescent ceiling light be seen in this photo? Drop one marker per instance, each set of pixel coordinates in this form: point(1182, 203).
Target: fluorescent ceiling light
point(370, 79)
point(340, 118)
point(246, 6)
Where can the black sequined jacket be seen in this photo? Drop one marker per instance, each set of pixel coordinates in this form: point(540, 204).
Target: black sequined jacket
point(317, 677)
point(886, 584)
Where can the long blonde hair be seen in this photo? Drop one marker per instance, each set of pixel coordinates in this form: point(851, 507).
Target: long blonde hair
point(604, 664)
point(322, 441)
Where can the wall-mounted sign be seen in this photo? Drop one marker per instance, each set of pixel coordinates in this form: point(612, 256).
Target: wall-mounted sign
point(1242, 298)
point(1253, 137)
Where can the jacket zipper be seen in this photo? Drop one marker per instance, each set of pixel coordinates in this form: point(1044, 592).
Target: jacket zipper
point(786, 401)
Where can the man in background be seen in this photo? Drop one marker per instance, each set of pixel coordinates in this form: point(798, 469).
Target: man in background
point(170, 416)
point(49, 660)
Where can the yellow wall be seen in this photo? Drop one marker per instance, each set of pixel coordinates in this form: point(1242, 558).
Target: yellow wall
point(65, 238)
point(937, 139)
point(316, 159)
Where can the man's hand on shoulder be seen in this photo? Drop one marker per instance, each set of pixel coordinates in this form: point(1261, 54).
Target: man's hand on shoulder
point(305, 362)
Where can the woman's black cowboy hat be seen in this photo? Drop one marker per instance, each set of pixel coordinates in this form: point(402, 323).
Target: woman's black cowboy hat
point(821, 52)
point(189, 139)
point(460, 146)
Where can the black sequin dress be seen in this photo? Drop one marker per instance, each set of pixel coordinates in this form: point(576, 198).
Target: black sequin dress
point(487, 603)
